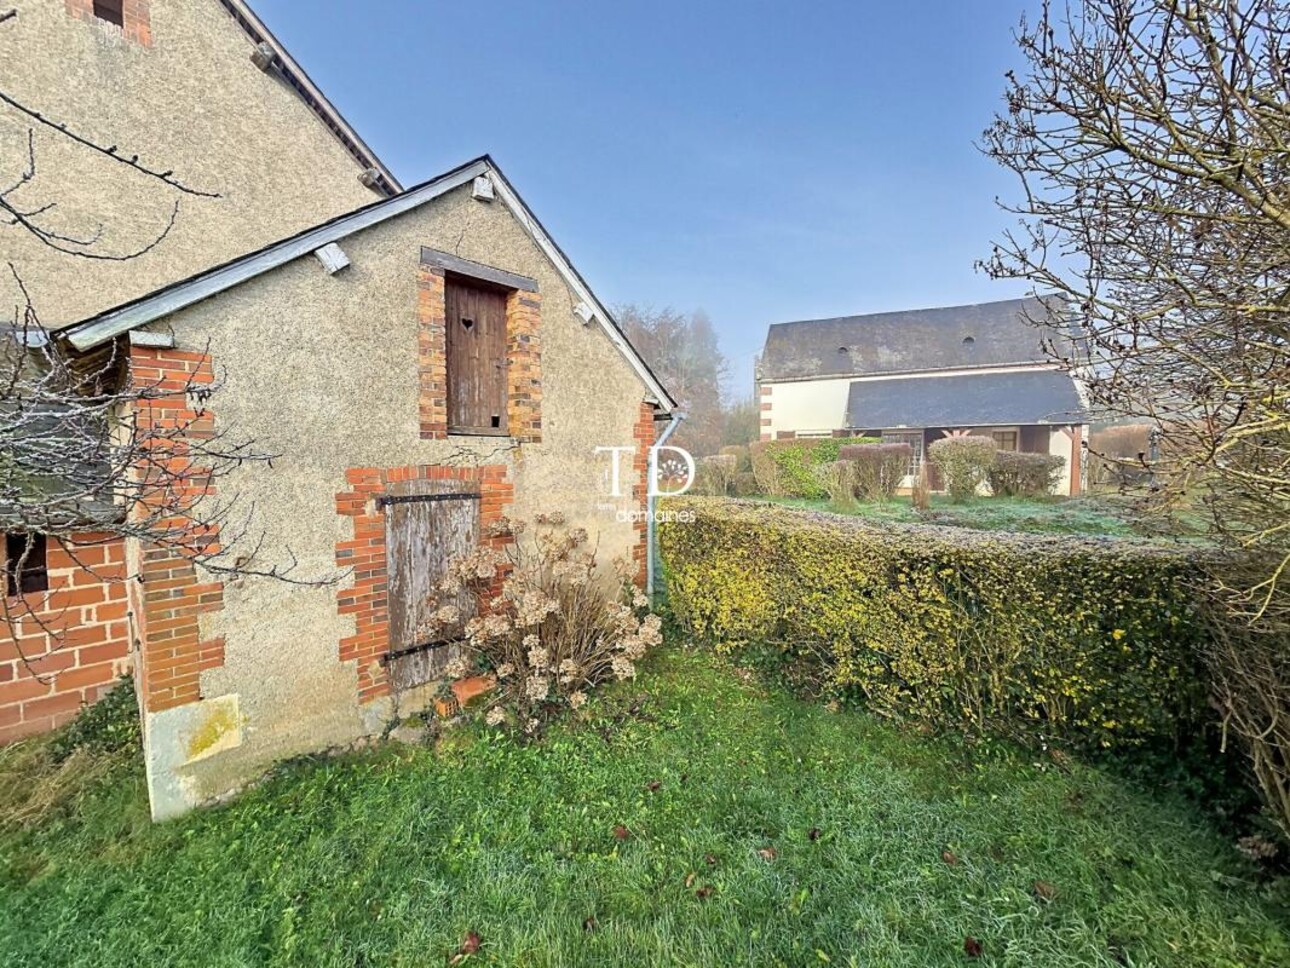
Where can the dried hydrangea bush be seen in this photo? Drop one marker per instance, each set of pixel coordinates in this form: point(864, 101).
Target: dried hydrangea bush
point(561, 626)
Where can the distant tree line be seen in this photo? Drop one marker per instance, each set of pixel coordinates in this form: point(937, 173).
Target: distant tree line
point(685, 353)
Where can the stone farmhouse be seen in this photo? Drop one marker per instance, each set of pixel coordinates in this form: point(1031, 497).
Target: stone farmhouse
point(423, 362)
point(917, 376)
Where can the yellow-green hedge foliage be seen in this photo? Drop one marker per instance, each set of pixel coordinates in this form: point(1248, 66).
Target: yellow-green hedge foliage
point(1087, 641)
point(788, 468)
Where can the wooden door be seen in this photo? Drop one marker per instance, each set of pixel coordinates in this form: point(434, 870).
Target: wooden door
point(476, 345)
point(427, 525)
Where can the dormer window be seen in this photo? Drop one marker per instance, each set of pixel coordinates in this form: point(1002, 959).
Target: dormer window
point(113, 11)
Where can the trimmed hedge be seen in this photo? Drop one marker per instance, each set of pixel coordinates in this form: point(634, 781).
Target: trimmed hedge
point(879, 468)
point(788, 468)
point(1015, 474)
point(1092, 642)
point(963, 463)
point(714, 473)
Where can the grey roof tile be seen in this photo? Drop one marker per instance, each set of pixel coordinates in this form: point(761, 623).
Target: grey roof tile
point(986, 334)
point(965, 400)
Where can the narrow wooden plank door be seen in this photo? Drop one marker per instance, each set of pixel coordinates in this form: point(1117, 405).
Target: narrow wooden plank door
point(476, 348)
point(421, 538)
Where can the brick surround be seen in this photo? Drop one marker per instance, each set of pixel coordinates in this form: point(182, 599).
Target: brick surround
point(524, 366)
point(172, 596)
point(523, 360)
point(73, 641)
point(365, 553)
point(432, 354)
point(136, 17)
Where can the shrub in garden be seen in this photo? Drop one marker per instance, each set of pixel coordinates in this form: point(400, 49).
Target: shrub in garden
point(787, 468)
point(1249, 662)
point(559, 628)
point(744, 484)
point(920, 495)
point(879, 468)
point(1087, 641)
point(743, 462)
point(1118, 455)
point(1014, 474)
point(963, 463)
point(714, 473)
point(839, 481)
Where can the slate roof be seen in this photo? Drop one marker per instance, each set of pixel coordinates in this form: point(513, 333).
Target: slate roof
point(987, 334)
point(965, 400)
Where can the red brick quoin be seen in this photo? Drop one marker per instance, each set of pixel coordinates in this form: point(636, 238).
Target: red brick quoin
point(367, 600)
point(172, 596)
point(72, 642)
point(642, 440)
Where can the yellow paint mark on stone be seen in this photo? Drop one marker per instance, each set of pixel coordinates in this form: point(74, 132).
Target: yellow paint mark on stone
point(217, 728)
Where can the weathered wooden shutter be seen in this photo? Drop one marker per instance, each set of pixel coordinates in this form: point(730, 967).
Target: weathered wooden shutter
point(427, 525)
point(476, 345)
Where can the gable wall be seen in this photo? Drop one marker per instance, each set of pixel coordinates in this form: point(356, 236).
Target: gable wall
point(324, 371)
point(183, 95)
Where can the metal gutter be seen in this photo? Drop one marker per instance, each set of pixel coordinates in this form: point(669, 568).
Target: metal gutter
point(651, 502)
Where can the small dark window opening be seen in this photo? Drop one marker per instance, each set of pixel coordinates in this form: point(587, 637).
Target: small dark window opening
point(110, 10)
point(968, 340)
point(26, 567)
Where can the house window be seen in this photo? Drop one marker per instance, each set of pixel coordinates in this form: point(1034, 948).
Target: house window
point(915, 440)
point(1004, 439)
point(110, 10)
point(25, 566)
point(475, 318)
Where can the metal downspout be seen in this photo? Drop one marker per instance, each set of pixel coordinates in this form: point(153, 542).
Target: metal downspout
point(651, 501)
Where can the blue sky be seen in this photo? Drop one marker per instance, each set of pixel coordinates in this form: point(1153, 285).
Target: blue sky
point(763, 162)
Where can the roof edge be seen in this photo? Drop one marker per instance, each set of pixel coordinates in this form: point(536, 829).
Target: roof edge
point(92, 332)
point(930, 371)
point(902, 312)
point(312, 95)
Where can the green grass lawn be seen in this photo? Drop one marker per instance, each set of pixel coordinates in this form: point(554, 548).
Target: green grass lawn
point(758, 829)
point(1090, 515)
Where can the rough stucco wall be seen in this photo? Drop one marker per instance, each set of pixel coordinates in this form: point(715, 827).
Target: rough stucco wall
point(193, 102)
point(323, 370)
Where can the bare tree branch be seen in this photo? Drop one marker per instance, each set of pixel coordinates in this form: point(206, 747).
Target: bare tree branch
point(1151, 142)
point(109, 151)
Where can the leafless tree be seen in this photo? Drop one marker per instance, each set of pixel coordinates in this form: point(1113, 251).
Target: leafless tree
point(684, 352)
point(87, 448)
point(1151, 139)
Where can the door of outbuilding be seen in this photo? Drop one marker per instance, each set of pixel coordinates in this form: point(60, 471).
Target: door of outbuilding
point(428, 524)
point(476, 357)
